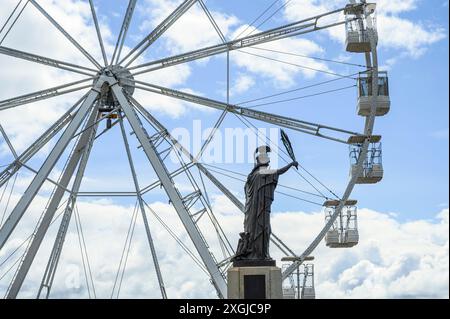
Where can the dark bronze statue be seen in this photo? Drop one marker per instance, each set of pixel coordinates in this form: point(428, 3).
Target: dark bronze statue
point(259, 194)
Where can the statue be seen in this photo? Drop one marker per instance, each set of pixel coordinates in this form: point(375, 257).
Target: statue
point(260, 187)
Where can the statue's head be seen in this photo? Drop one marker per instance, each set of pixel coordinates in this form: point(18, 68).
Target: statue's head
point(262, 155)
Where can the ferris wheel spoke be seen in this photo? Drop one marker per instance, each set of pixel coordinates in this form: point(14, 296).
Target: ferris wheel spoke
point(47, 61)
point(283, 121)
point(225, 190)
point(66, 34)
point(44, 94)
point(158, 31)
point(123, 31)
point(99, 34)
point(37, 145)
point(289, 30)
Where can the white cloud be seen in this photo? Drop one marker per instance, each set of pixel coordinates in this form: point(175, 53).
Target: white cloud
point(284, 74)
point(395, 32)
point(393, 259)
point(242, 84)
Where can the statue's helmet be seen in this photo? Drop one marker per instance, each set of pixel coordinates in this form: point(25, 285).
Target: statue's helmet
point(262, 155)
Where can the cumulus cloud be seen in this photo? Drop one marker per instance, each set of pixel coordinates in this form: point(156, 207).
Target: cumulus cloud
point(242, 84)
point(395, 31)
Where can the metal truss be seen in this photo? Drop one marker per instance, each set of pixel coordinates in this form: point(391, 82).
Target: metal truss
point(99, 34)
point(157, 32)
point(47, 61)
point(44, 94)
point(65, 33)
point(79, 151)
point(289, 30)
point(123, 31)
point(283, 121)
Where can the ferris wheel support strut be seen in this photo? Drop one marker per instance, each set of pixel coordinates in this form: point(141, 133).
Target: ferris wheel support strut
point(75, 157)
point(144, 216)
point(216, 276)
point(52, 264)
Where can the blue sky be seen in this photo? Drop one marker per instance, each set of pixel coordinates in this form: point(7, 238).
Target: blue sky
point(411, 200)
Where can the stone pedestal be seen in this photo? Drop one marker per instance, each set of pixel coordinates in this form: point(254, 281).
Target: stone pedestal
point(261, 282)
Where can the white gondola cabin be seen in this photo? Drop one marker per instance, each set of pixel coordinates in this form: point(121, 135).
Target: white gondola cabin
point(372, 170)
point(360, 26)
point(344, 231)
point(365, 95)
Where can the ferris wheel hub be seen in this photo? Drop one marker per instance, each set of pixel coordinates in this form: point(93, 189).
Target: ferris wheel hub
point(122, 75)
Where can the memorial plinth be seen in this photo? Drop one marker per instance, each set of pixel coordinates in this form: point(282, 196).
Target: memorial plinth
point(252, 280)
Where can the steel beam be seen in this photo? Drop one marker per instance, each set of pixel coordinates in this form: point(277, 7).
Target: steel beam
point(289, 30)
point(12, 168)
point(53, 205)
point(216, 276)
point(50, 271)
point(144, 216)
point(43, 95)
point(123, 31)
point(66, 34)
point(47, 61)
point(283, 121)
point(48, 164)
point(99, 34)
point(158, 31)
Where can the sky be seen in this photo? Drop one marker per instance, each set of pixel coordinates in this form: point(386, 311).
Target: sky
point(409, 207)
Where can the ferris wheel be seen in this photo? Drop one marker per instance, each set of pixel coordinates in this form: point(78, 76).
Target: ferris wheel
point(109, 97)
